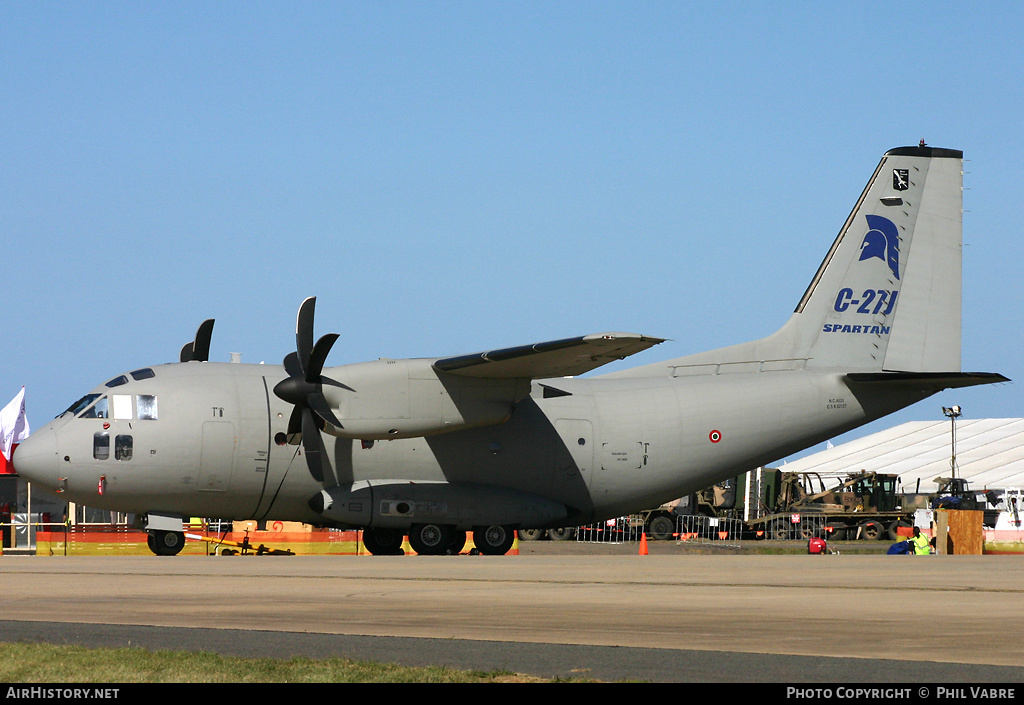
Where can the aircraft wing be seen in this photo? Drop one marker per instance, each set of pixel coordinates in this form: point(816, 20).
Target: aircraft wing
point(555, 358)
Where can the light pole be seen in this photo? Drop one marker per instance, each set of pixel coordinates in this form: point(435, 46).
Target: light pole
point(953, 412)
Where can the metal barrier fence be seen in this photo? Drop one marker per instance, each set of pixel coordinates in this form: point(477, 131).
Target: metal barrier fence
point(695, 529)
point(621, 530)
point(701, 529)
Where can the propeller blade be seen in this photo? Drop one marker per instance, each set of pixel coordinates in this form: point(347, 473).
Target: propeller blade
point(319, 404)
point(295, 422)
point(311, 445)
point(201, 346)
point(318, 356)
point(292, 366)
point(199, 349)
point(335, 383)
point(304, 332)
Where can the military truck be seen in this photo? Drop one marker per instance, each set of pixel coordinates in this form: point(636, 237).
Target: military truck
point(956, 493)
point(769, 503)
point(786, 505)
point(864, 505)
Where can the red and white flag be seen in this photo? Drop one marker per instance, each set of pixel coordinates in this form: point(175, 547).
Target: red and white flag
point(13, 423)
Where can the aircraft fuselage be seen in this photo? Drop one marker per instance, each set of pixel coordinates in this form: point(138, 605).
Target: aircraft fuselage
point(602, 447)
point(515, 437)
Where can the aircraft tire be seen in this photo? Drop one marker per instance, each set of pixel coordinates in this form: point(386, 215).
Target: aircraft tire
point(166, 543)
point(383, 542)
point(457, 544)
point(531, 534)
point(567, 533)
point(493, 540)
point(431, 539)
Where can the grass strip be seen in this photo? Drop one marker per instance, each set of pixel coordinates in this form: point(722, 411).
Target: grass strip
point(50, 663)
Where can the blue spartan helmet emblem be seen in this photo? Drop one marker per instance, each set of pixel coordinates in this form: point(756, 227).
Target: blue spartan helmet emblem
point(882, 241)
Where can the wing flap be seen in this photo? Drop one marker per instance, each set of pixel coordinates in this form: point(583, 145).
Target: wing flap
point(554, 358)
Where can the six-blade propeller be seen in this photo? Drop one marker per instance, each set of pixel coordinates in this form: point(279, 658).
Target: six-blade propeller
point(304, 388)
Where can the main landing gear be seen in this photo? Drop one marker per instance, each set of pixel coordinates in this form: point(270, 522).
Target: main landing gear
point(383, 542)
point(439, 540)
point(494, 540)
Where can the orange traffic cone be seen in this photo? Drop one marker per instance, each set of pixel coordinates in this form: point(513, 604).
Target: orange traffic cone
point(514, 551)
point(643, 544)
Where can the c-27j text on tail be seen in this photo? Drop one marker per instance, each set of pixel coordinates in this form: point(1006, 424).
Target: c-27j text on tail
point(430, 448)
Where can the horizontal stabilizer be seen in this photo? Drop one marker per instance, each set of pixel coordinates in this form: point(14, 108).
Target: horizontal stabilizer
point(928, 380)
point(555, 358)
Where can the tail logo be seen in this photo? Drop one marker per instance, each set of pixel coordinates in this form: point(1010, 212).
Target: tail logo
point(901, 179)
point(882, 241)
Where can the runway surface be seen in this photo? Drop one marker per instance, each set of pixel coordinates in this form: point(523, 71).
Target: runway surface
point(659, 618)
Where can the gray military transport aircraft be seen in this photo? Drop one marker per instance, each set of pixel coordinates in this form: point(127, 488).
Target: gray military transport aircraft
point(512, 438)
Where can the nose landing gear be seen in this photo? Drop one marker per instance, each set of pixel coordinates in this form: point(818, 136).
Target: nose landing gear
point(165, 543)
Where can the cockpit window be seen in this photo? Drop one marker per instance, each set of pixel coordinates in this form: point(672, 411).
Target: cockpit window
point(144, 373)
point(122, 405)
point(117, 381)
point(146, 404)
point(96, 411)
point(85, 401)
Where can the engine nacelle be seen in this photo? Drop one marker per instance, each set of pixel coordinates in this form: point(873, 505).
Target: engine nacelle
point(410, 399)
point(398, 504)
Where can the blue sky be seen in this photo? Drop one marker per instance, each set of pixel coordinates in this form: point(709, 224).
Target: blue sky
point(448, 177)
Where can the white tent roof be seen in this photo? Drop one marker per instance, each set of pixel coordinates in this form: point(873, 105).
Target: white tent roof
point(989, 453)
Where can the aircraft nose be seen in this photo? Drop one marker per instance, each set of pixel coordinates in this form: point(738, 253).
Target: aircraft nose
point(36, 458)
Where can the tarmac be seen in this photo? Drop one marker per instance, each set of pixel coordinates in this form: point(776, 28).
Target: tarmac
point(577, 610)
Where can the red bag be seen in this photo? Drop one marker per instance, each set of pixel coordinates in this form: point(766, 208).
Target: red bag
point(817, 546)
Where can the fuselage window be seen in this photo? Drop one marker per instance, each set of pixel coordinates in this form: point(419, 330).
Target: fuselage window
point(96, 411)
point(144, 373)
point(117, 381)
point(101, 445)
point(123, 447)
point(147, 407)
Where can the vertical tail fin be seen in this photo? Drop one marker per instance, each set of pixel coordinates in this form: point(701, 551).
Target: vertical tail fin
point(887, 296)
